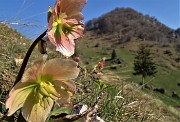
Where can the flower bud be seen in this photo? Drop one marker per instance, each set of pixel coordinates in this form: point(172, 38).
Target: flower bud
point(42, 47)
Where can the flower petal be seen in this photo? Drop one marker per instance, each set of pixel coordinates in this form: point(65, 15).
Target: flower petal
point(66, 97)
point(68, 85)
point(72, 7)
point(66, 47)
point(51, 37)
point(32, 72)
point(62, 43)
point(65, 89)
point(60, 69)
point(50, 23)
point(35, 109)
point(18, 95)
point(78, 16)
point(78, 32)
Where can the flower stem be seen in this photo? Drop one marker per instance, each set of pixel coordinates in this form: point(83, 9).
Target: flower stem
point(26, 58)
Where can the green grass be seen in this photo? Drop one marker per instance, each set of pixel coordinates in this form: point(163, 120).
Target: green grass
point(165, 98)
point(122, 103)
point(166, 78)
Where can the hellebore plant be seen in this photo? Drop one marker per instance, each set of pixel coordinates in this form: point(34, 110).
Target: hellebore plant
point(49, 81)
point(65, 25)
point(44, 83)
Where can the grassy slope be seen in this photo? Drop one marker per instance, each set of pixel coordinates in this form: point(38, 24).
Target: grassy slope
point(168, 73)
point(13, 45)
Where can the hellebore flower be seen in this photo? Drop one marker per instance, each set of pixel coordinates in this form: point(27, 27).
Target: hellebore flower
point(44, 83)
point(65, 25)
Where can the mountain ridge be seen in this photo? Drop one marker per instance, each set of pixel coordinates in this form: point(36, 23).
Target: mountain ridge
point(130, 23)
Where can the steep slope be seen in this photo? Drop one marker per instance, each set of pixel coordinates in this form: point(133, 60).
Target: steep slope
point(13, 47)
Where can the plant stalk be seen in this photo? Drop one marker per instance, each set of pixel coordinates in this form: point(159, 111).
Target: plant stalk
point(26, 58)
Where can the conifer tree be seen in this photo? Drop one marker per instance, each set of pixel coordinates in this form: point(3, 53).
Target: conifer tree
point(144, 64)
point(113, 55)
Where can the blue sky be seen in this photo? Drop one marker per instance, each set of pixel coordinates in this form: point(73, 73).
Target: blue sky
point(33, 12)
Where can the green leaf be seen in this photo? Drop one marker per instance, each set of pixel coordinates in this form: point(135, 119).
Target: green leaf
point(59, 110)
point(3, 108)
point(100, 84)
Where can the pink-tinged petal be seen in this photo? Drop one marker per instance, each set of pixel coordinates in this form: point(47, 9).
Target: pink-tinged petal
point(32, 72)
point(62, 43)
point(18, 95)
point(77, 33)
point(35, 109)
point(51, 37)
point(60, 69)
point(66, 89)
point(50, 23)
point(57, 7)
point(66, 97)
point(66, 47)
point(68, 85)
point(78, 16)
point(60, 38)
point(71, 7)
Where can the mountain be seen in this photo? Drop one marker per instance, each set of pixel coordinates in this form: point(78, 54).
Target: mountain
point(127, 27)
point(177, 32)
point(129, 23)
point(123, 30)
